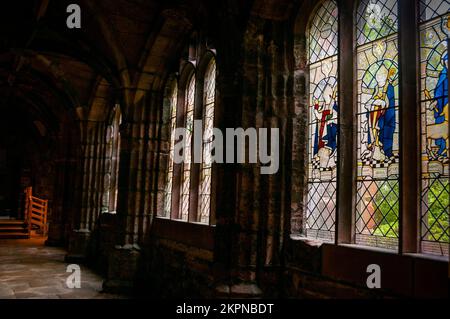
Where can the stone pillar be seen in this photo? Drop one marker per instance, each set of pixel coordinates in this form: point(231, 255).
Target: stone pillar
point(228, 110)
point(57, 227)
point(258, 219)
point(66, 175)
point(90, 188)
point(136, 191)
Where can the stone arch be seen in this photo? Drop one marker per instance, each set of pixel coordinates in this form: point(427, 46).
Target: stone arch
point(187, 70)
point(204, 62)
point(160, 51)
point(108, 36)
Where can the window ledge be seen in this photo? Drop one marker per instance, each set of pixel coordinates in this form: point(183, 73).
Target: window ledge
point(313, 242)
point(428, 257)
point(371, 248)
point(395, 252)
point(193, 234)
point(183, 221)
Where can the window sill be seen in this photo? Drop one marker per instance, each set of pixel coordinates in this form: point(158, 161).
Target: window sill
point(407, 274)
point(429, 257)
point(193, 234)
point(371, 249)
point(313, 242)
point(183, 221)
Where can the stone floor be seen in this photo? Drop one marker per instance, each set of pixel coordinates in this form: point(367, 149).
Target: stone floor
point(30, 270)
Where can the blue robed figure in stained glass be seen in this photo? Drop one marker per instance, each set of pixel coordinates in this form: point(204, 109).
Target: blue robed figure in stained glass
point(332, 131)
point(328, 140)
point(381, 118)
point(326, 109)
point(438, 132)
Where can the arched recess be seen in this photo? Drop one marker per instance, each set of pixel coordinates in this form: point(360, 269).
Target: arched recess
point(48, 150)
point(186, 185)
point(301, 115)
point(166, 148)
point(377, 119)
point(112, 159)
point(182, 194)
point(205, 208)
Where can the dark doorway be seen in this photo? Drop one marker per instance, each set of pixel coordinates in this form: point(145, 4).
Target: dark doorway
point(9, 186)
point(15, 166)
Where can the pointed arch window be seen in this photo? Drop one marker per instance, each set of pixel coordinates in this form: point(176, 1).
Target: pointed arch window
point(187, 192)
point(173, 99)
point(187, 161)
point(377, 203)
point(204, 201)
point(434, 26)
point(320, 213)
point(399, 108)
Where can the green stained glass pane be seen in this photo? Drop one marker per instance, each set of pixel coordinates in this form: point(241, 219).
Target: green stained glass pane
point(319, 218)
point(376, 19)
point(377, 205)
point(434, 32)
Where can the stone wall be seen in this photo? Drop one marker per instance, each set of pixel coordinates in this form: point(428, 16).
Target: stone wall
point(249, 252)
point(177, 270)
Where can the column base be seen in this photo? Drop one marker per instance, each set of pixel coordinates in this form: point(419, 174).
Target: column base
point(78, 246)
point(55, 236)
point(239, 291)
point(123, 267)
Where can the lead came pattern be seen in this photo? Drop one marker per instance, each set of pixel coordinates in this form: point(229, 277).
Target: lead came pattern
point(208, 122)
point(323, 37)
point(323, 126)
point(377, 205)
point(434, 32)
point(430, 9)
point(185, 186)
point(376, 19)
point(169, 179)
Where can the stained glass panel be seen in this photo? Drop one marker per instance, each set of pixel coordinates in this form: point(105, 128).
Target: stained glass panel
point(323, 124)
point(186, 177)
point(430, 9)
point(169, 177)
point(434, 32)
point(323, 37)
point(376, 19)
point(377, 210)
point(208, 125)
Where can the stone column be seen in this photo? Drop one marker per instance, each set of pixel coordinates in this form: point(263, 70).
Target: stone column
point(90, 188)
point(258, 219)
point(66, 169)
point(136, 191)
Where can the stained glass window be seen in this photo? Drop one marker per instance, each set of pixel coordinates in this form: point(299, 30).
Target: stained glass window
point(323, 126)
point(434, 32)
point(204, 203)
point(189, 125)
point(377, 210)
point(169, 175)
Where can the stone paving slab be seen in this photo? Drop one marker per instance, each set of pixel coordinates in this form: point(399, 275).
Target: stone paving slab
point(30, 270)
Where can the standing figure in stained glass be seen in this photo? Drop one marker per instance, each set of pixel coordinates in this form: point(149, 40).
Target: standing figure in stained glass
point(438, 132)
point(381, 116)
point(325, 110)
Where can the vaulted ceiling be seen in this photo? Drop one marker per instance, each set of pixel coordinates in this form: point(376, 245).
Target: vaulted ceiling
point(47, 67)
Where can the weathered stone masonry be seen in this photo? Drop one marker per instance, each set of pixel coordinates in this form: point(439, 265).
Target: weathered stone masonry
point(106, 94)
